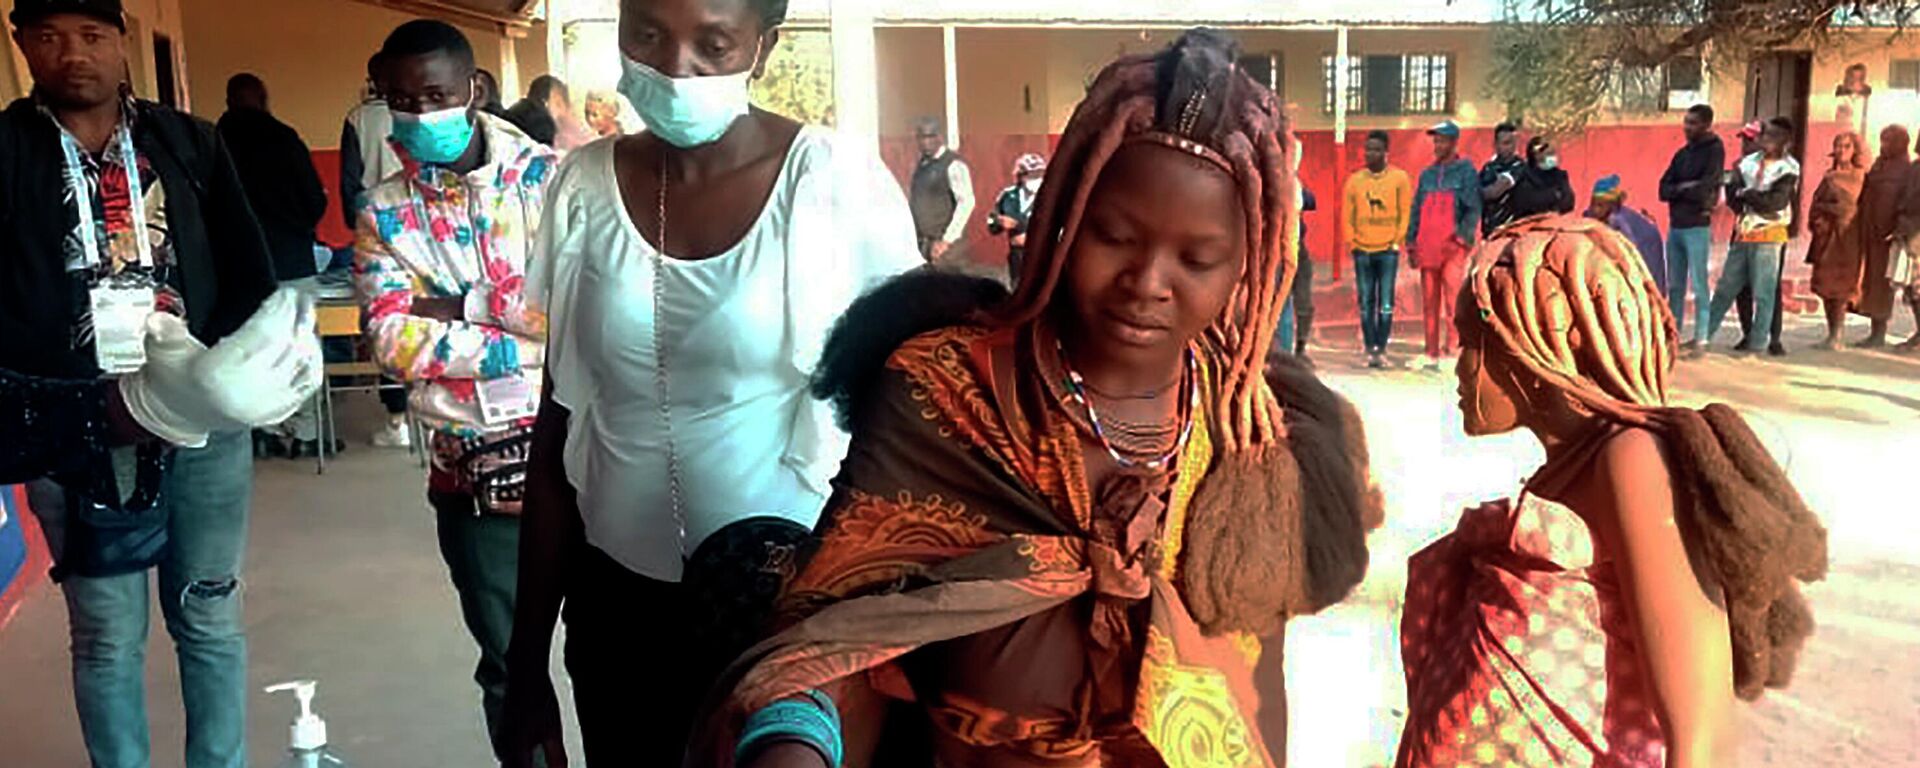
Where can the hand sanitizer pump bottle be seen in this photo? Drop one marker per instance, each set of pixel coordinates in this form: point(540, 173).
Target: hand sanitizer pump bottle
point(308, 740)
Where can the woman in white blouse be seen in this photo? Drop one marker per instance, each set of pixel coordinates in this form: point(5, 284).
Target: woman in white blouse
point(690, 275)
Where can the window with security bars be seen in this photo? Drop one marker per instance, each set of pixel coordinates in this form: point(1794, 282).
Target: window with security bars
point(1356, 85)
point(1267, 69)
point(1426, 84)
point(1686, 82)
point(1401, 84)
point(1639, 90)
point(1905, 75)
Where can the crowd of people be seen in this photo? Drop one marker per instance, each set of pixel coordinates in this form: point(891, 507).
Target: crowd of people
point(1863, 224)
point(802, 502)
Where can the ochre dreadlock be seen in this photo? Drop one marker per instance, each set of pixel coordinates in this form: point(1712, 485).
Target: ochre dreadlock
point(1192, 97)
point(1572, 302)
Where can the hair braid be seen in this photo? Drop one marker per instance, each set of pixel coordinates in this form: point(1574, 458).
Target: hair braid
point(1571, 301)
point(1194, 91)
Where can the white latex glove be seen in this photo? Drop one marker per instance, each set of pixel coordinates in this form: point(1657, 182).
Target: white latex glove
point(258, 375)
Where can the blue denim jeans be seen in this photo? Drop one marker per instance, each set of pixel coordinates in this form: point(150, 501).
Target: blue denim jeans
point(1283, 338)
point(1688, 251)
point(1374, 279)
point(1750, 266)
point(206, 496)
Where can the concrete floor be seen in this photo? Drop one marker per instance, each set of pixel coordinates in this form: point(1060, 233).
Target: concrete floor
point(345, 584)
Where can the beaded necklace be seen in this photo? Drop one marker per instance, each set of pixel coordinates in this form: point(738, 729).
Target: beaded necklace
point(1076, 387)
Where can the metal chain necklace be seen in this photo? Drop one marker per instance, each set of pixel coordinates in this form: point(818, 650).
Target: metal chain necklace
point(1077, 389)
point(662, 382)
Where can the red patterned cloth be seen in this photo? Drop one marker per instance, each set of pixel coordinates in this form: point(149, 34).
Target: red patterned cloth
point(1519, 650)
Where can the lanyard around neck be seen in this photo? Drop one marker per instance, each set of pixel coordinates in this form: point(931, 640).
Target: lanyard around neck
point(83, 197)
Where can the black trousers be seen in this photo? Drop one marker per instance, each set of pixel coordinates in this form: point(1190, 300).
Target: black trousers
point(1303, 303)
point(644, 654)
point(639, 677)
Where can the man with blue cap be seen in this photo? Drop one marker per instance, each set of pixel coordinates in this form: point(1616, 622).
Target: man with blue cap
point(1446, 218)
point(1609, 204)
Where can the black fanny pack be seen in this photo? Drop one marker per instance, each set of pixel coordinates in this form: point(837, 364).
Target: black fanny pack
point(740, 571)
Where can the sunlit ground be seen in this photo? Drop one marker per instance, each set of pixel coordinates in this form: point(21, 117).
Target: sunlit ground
point(345, 585)
point(1847, 427)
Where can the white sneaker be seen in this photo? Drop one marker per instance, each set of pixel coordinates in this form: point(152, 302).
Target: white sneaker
point(393, 435)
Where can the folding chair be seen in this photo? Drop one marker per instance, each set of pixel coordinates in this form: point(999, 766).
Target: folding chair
point(341, 319)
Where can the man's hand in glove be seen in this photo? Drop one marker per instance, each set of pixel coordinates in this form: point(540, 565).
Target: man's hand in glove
point(259, 375)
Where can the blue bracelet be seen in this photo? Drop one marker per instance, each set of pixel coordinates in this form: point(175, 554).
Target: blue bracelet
point(811, 719)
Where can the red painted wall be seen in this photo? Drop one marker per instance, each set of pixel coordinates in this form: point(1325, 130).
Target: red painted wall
point(332, 232)
point(1639, 154)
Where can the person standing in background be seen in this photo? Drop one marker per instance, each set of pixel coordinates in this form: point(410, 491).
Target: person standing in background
point(1379, 205)
point(1833, 219)
point(1296, 316)
point(1882, 203)
point(1543, 186)
point(603, 113)
point(1445, 220)
point(366, 159)
point(365, 156)
point(1749, 136)
point(1691, 189)
point(440, 264)
point(1498, 178)
point(135, 283)
point(537, 114)
point(1015, 205)
point(284, 190)
point(489, 93)
point(941, 196)
point(1761, 194)
point(1609, 205)
point(1903, 277)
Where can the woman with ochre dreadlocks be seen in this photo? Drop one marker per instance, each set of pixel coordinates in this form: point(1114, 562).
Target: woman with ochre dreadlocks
point(1071, 517)
point(1646, 576)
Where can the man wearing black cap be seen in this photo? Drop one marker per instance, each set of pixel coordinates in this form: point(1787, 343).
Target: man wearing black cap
point(126, 244)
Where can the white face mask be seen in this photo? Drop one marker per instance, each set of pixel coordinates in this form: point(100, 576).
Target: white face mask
point(1549, 162)
point(1032, 185)
point(686, 111)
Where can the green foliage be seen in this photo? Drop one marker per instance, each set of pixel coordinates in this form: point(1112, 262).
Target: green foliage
point(1548, 77)
point(798, 81)
point(1556, 62)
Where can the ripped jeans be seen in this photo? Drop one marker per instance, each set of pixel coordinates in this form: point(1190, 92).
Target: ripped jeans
point(207, 494)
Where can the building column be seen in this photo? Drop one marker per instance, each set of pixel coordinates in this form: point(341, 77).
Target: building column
point(856, 85)
point(1341, 79)
point(952, 70)
point(509, 74)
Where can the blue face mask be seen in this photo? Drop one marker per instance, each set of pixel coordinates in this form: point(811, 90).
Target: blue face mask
point(686, 111)
point(438, 137)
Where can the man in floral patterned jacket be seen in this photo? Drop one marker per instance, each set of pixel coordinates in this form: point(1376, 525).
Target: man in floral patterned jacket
point(440, 265)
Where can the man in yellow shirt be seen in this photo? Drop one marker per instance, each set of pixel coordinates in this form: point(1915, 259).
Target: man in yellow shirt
point(1379, 202)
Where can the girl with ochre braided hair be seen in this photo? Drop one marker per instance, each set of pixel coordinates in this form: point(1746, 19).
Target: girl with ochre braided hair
point(1646, 576)
point(1070, 518)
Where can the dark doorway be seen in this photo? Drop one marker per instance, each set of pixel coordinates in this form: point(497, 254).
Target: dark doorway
point(1778, 85)
point(164, 78)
